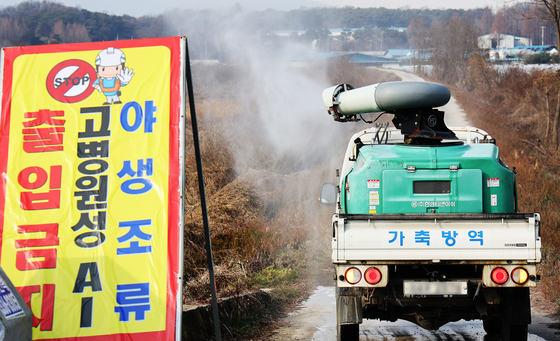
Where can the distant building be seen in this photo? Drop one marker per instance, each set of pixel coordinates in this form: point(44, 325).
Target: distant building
point(534, 49)
point(287, 33)
point(502, 41)
point(367, 59)
point(398, 53)
point(515, 55)
point(335, 32)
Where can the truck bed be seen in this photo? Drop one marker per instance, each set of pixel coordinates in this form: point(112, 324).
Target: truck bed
point(441, 237)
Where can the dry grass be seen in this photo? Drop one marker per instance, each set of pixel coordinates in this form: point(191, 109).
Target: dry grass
point(266, 225)
point(507, 111)
point(267, 228)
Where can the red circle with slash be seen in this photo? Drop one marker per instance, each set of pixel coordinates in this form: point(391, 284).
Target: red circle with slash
point(70, 81)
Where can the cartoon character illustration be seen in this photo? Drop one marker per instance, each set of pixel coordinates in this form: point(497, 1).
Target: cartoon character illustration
point(112, 74)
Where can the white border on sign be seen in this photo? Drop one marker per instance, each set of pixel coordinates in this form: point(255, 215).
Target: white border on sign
point(1, 82)
point(182, 138)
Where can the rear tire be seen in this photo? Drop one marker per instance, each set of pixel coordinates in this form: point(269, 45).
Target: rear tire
point(517, 332)
point(492, 326)
point(349, 332)
point(498, 328)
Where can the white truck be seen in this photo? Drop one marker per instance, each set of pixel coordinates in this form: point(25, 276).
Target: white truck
point(426, 227)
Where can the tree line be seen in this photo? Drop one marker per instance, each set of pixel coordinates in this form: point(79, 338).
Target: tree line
point(36, 23)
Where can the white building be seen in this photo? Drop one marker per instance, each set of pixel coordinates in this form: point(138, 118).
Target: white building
point(502, 41)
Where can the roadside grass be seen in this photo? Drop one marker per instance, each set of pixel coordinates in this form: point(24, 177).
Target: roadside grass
point(259, 323)
point(264, 236)
point(503, 110)
point(268, 230)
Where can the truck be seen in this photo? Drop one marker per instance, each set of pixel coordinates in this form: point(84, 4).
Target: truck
point(426, 225)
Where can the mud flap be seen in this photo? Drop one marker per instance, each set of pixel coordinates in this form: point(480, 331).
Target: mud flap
point(517, 307)
point(348, 306)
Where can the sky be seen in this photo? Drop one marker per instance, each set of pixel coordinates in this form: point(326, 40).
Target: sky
point(138, 8)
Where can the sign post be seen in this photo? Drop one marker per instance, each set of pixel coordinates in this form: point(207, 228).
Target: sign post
point(91, 165)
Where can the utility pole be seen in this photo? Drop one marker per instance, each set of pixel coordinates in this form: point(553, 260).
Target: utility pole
point(542, 35)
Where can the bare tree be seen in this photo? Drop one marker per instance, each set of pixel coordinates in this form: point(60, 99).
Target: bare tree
point(71, 33)
point(453, 42)
point(531, 28)
point(485, 23)
point(548, 10)
point(418, 38)
point(10, 30)
point(500, 24)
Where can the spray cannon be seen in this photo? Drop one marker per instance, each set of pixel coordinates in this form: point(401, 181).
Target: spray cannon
point(412, 104)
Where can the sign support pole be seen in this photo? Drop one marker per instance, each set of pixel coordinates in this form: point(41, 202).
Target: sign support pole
point(188, 76)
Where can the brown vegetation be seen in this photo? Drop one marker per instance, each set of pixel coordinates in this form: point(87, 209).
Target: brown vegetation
point(267, 227)
point(263, 234)
point(71, 32)
point(515, 106)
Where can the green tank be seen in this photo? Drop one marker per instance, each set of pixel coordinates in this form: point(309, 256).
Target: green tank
point(447, 178)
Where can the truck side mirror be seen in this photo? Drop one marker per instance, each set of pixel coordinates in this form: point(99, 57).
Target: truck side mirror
point(328, 194)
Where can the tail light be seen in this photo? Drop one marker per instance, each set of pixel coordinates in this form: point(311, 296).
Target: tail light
point(499, 275)
point(353, 275)
point(372, 276)
point(519, 275)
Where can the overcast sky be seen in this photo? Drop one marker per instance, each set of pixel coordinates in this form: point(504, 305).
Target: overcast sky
point(138, 8)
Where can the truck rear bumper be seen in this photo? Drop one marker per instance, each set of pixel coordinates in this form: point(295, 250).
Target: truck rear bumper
point(356, 275)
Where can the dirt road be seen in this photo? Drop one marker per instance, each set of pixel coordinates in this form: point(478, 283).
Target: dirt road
point(315, 319)
point(454, 114)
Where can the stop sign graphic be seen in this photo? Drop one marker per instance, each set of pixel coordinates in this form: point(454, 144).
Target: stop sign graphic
point(70, 81)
